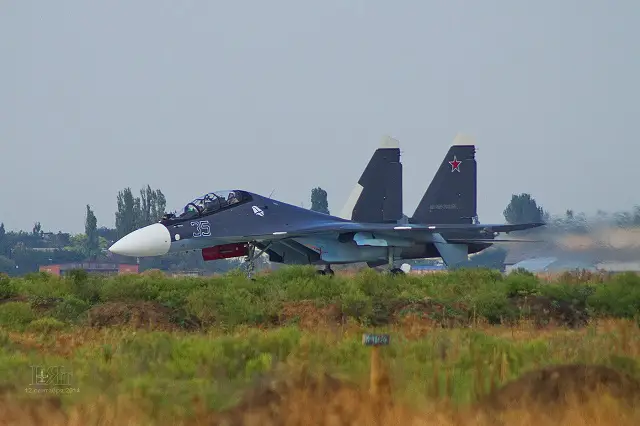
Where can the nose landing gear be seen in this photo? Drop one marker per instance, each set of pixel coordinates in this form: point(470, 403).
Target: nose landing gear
point(250, 260)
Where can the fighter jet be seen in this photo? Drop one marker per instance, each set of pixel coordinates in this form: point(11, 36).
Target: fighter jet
point(233, 223)
point(450, 198)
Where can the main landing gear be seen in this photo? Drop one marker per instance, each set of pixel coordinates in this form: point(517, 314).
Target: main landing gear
point(326, 271)
point(392, 269)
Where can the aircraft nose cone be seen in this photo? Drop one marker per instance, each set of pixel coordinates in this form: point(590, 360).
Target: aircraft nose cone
point(152, 240)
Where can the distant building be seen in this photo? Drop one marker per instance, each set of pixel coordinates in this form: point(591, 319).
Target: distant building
point(91, 267)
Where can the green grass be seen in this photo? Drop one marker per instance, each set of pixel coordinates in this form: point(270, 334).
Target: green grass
point(240, 339)
point(369, 297)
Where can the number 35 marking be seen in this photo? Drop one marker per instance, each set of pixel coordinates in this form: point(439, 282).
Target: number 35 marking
point(202, 228)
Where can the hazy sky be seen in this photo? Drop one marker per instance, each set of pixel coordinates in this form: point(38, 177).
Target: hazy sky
point(194, 96)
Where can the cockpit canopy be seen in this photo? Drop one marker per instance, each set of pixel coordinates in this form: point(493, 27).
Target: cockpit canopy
point(211, 203)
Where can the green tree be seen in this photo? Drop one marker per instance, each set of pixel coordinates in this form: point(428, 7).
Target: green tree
point(3, 239)
point(7, 266)
point(138, 219)
point(523, 208)
point(319, 201)
point(37, 229)
point(92, 247)
point(108, 234)
point(61, 239)
point(78, 243)
point(153, 205)
point(147, 200)
point(136, 212)
point(125, 216)
point(160, 206)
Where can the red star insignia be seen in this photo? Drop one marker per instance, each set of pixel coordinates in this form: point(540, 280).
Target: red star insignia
point(455, 164)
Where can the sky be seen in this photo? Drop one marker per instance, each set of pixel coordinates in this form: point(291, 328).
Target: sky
point(286, 95)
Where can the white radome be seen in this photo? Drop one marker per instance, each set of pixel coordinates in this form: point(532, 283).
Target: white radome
point(152, 240)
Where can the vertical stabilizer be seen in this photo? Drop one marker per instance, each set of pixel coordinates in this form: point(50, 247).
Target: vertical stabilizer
point(377, 197)
point(452, 195)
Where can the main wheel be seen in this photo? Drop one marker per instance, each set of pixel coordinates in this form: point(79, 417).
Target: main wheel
point(396, 271)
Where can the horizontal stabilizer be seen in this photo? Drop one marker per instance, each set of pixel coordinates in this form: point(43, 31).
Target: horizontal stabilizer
point(515, 227)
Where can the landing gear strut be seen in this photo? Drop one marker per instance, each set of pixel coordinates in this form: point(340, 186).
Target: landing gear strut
point(250, 261)
point(393, 270)
point(326, 271)
point(251, 258)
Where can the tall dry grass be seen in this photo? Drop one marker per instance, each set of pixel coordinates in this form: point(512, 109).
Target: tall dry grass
point(295, 394)
point(329, 404)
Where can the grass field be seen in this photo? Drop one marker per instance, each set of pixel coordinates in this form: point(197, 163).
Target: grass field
point(154, 350)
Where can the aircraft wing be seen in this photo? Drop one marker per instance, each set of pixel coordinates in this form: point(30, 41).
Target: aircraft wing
point(413, 232)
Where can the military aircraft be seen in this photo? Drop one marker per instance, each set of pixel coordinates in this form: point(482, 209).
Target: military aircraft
point(234, 223)
point(450, 198)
